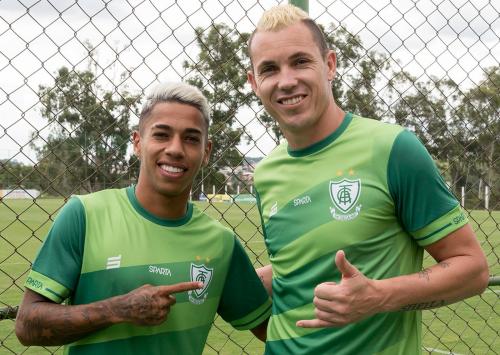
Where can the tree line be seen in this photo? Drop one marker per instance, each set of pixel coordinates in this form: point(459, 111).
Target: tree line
point(90, 128)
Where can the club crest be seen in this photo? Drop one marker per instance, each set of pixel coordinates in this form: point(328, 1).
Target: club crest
point(345, 195)
point(202, 274)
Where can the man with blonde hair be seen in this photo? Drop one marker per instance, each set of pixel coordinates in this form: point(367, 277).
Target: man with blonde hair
point(348, 206)
point(118, 256)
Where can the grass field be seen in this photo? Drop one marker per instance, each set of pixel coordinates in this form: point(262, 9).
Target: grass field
point(468, 327)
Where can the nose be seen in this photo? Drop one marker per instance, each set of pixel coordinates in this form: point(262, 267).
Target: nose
point(287, 79)
point(175, 147)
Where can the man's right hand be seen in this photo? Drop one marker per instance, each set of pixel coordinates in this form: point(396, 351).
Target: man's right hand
point(149, 305)
point(40, 321)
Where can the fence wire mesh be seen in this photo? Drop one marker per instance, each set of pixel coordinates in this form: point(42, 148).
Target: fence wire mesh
point(73, 75)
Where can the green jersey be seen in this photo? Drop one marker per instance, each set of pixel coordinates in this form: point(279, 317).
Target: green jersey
point(370, 189)
point(106, 244)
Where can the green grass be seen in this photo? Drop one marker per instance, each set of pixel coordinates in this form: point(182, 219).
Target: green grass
point(471, 326)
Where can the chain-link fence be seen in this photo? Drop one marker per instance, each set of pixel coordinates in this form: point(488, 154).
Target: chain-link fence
point(73, 75)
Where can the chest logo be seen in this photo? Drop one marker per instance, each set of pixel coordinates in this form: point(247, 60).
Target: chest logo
point(202, 274)
point(113, 262)
point(345, 195)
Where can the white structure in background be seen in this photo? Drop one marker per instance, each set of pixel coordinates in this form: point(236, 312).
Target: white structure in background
point(463, 196)
point(486, 196)
point(19, 193)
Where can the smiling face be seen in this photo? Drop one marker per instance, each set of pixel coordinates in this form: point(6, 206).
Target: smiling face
point(292, 79)
point(172, 146)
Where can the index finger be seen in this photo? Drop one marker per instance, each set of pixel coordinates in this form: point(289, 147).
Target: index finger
point(181, 287)
point(326, 291)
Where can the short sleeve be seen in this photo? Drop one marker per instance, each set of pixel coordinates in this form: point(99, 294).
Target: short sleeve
point(424, 205)
point(56, 268)
point(244, 302)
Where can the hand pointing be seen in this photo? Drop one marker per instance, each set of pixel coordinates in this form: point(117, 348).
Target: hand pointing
point(349, 301)
point(149, 305)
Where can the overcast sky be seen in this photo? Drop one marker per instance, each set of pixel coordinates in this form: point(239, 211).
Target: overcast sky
point(458, 39)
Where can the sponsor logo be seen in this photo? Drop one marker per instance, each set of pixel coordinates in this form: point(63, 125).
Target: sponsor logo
point(301, 201)
point(34, 283)
point(459, 219)
point(113, 262)
point(160, 270)
point(202, 274)
point(345, 194)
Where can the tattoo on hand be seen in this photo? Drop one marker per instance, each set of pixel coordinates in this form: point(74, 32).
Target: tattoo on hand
point(422, 306)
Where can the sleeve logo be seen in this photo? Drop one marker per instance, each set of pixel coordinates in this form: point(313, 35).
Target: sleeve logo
point(345, 194)
point(34, 283)
point(202, 274)
point(458, 219)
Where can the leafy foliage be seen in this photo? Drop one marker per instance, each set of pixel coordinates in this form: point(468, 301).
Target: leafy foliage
point(219, 72)
point(90, 133)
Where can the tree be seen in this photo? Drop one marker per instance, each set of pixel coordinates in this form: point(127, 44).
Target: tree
point(358, 72)
point(16, 175)
point(423, 109)
point(477, 117)
point(89, 134)
point(219, 72)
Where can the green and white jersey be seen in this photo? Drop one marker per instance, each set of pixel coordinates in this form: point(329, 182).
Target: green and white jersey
point(370, 189)
point(106, 244)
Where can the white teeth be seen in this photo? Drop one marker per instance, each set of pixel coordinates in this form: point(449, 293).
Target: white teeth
point(171, 169)
point(293, 100)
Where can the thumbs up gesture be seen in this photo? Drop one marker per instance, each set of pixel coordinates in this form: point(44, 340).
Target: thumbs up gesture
point(349, 301)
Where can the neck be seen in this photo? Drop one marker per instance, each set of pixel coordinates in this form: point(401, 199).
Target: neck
point(331, 120)
point(159, 205)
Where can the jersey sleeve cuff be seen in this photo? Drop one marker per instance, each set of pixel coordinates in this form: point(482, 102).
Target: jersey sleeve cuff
point(441, 227)
point(46, 287)
point(253, 319)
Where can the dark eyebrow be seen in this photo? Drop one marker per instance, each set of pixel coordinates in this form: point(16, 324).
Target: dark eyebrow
point(193, 131)
point(265, 64)
point(299, 55)
point(291, 58)
point(166, 127)
point(161, 126)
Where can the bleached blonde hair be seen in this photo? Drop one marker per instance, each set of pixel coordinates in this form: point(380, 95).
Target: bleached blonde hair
point(282, 16)
point(175, 92)
point(279, 17)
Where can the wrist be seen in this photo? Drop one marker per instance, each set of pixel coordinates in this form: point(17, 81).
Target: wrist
point(113, 309)
point(383, 295)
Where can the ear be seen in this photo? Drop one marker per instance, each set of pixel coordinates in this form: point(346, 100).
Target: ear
point(331, 62)
point(251, 81)
point(136, 140)
point(208, 150)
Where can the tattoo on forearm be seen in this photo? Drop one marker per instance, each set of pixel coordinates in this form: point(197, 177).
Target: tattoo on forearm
point(261, 278)
point(70, 326)
point(444, 264)
point(424, 274)
point(422, 306)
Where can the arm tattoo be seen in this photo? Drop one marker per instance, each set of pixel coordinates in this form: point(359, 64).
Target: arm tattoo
point(422, 306)
point(444, 264)
point(424, 274)
point(70, 325)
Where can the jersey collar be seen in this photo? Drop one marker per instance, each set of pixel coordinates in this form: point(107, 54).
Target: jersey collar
point(161, 221)
point(324, 142)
